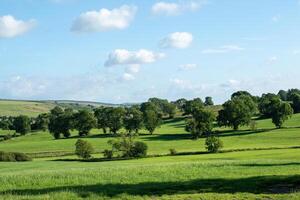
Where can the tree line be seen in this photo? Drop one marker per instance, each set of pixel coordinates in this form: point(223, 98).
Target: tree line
point(238, 111)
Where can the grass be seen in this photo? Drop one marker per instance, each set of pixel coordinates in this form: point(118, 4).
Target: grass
point(270, 172)
point(170, 135)
point(248, 175)
point(29, 108)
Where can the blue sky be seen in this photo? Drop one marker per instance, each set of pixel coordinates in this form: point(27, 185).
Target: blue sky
point(127, 51)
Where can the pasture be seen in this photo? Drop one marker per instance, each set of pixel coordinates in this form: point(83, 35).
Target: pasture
point(256, 164)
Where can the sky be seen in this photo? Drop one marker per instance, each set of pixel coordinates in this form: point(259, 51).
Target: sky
point(124, 51)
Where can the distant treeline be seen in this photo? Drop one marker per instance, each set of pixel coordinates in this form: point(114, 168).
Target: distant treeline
point(200, 118)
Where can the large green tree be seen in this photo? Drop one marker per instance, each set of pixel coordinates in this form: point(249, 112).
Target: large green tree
point(237, 112)
point(61, 122)
point(102, 118)
point(151, 120)
point(191, 105)
point(84, 121)
point(115, 119)
point(133, 120)
point(42, 121)
point(22, 124)
point(201, 122)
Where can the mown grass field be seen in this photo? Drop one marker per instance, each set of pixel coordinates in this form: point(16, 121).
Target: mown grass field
point(272, 171)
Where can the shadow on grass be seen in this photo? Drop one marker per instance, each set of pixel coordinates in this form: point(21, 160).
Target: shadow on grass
point(168, 137)
point(268, 164)
point(255, 185)
point(228, 133)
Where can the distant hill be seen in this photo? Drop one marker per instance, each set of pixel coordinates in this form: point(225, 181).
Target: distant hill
point(33, 108)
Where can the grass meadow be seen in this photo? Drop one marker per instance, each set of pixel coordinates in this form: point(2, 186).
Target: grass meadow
point(259, 164)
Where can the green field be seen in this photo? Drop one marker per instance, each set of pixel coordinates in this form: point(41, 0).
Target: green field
point(29, 108)
point(265, 165)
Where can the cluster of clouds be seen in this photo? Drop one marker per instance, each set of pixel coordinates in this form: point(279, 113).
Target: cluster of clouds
point(132, 60)
point(100, 20)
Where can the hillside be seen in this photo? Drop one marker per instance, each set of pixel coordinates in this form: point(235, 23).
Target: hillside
point(33, 108)
point(261, 164)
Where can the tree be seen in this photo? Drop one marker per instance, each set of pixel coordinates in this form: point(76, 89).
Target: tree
point(208, 101)
point(133, 120)
point(102, 118)
point(191, 105)
point(150, 106)
point(42, 121)
point(281, 112)
point(291, 93)
point(180, 103)
point(22, 124)
point(84, 122)
point(83, 149)
point(213, 144)
point(115, 119)
point(201, 122)
point(283, 95)
point(296, 103)
point(151, 120)
point(266, 102)
point(169, 109)
point(61, 122)
point(237, 112)
point(240, 93)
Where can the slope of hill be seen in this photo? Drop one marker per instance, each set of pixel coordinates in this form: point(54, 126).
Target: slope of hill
point(29, 108)
point(262, 164)
point(33, 108)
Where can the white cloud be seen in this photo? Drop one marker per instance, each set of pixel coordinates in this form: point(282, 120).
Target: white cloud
point(104, 20)
point(188, 66)
point(11, 27)
point(125, 57)
point(128, 77)
point(133, 69)
point(272, 59)
point(171, 9)
point(223, 49)
point(178, 40)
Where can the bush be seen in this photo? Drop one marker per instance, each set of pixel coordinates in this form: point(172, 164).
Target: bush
point(173, 152)
point(127, 148)
point(83, 149)
point(108, 154)
point(213, 144)
point(21, 157)
point(13, 157)
point(139, 150)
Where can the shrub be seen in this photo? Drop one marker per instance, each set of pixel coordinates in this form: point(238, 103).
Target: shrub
point(173, 152)
point(83, 149)
point(139, 150)
point(213, 144)
point(108, 154)
point(14, 157)
point(21, 157)
point(127, 148)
